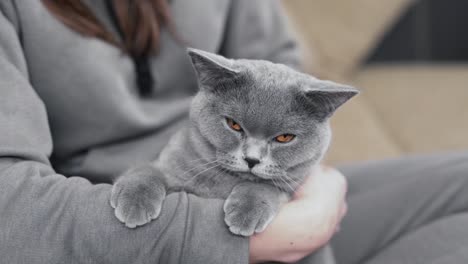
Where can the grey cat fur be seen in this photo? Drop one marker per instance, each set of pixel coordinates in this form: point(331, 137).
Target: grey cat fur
point(208, 158)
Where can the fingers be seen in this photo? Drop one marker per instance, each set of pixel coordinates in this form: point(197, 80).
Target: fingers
point(311, 183)
point(322, 177)
point(325, 190)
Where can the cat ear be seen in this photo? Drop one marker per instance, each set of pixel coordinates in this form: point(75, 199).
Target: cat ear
point(212, 70)
point(325, 97)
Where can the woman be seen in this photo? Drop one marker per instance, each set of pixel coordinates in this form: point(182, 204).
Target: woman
point(106, 83)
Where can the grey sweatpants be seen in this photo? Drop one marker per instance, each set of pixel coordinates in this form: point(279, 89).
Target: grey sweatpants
point(411, 210)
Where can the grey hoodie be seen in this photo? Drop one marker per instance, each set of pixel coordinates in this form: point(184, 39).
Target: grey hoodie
point(71, 120)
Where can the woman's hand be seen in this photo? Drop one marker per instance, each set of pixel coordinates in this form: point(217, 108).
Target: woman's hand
point(306, 223)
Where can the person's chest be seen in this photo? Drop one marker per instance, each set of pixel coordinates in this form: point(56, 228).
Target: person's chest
point(89, 86)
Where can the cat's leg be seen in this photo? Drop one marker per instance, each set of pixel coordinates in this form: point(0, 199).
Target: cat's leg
point(137, 195)
point(251, 206)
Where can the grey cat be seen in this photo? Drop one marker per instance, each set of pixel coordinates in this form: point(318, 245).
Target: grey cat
point(256, 129)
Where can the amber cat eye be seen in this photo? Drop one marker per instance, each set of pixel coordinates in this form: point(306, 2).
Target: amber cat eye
point(232, 124)
point(284, 138)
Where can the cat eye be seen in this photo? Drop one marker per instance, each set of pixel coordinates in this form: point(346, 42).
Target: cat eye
point(233, 124)
point(285, 138)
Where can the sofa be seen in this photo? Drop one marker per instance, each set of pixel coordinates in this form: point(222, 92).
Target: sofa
point(404, 108)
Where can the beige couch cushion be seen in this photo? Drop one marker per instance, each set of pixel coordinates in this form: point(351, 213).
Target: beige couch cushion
point(359, 135)
point(423, 108)
point(338, 33)
point(403, 108)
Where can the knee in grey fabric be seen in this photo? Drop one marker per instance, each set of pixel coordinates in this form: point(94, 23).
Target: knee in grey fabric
point(442, 242)
point(389, 200)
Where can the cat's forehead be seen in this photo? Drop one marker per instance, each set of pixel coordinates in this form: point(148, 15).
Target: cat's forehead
point(266, 110)
point(265, 72)
point(268, 100)
point(269, 115)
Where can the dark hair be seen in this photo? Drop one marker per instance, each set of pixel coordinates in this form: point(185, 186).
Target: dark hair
point(139, 22)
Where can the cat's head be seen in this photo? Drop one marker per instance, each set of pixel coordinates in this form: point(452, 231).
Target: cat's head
point(263, 120)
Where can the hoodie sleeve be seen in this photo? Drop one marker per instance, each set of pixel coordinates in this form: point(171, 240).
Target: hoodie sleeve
point(46, 217)
point(260, 30)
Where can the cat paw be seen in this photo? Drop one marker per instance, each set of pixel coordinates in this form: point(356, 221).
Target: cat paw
point(244, 217)
point(136, 204)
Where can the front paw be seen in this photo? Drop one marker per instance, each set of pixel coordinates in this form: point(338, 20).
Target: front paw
point(136, 203)
point(245, 216)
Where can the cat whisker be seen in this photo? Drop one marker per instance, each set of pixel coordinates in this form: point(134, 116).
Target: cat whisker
point(212, 175)
point(293, 181)
point(275, 184)
point(216, 173)
point(192, 164)
point(200, 166)
point(289, 179)
point(279, 183)
point(217, 165)
point(287, 184)
point(201, 159)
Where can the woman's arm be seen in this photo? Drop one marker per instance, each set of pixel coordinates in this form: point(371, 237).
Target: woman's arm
point(259, 30)
point(49, 218)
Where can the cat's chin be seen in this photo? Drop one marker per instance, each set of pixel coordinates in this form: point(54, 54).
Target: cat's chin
point(248, 176)
point(243, 174)
point(251, 175)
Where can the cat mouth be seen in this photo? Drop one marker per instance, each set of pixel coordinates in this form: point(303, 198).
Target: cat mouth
point(250, 174)
point(261, 175)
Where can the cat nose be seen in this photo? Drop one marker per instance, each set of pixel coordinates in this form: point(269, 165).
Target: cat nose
point(251, 162)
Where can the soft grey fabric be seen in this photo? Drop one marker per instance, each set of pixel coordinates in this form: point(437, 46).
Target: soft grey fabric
point(442, 242)
point(412, 210)
point(74, 98)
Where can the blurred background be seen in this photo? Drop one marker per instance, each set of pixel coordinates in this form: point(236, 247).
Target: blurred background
point(410, 60)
